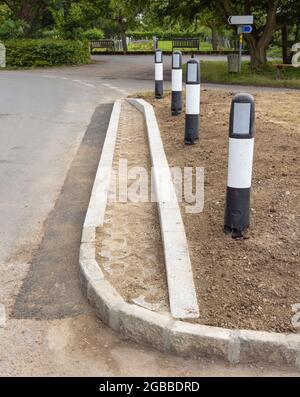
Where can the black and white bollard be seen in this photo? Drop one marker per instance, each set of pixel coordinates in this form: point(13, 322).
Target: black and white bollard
point(240, 159)
point(159, 79)
point(192, 105)
point(176, 102)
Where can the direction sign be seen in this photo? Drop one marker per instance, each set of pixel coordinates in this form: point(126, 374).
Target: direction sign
point(240, 20)
point(247, 28)
point(244, 29)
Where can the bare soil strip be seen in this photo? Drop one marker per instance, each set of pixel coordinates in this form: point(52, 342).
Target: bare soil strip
point(249, 283)
point(128, 246)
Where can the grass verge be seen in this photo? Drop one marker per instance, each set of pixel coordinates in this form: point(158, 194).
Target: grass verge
point(216, 72)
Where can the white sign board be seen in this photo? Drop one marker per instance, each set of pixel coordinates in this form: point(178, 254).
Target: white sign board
point(2, 56)
point(240, 20)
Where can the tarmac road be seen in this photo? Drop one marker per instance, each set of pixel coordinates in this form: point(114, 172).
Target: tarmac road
point(52, 126)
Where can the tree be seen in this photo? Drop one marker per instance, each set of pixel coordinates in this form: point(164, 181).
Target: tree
point(73, 17)
point(30, 12)
point(265, 19)
point(214, 23)
point(289, 21)
point(264, 12)
point(125, 13)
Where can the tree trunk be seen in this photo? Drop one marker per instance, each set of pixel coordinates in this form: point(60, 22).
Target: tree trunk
point(123, 38)
point(214, 37)
point(285, 44)
point(258, 55)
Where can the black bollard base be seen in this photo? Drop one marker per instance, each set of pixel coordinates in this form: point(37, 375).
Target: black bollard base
point(176, 103)
point(191, 128)
point(159, 89)
point(237, 212)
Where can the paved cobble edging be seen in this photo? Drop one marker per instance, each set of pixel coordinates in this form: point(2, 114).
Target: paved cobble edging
point(162, 331)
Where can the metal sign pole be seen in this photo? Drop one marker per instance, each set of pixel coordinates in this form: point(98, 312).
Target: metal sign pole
point(240, 52)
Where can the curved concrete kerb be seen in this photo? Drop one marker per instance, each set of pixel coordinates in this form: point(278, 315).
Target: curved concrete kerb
point(162, 331)
point(182, 293)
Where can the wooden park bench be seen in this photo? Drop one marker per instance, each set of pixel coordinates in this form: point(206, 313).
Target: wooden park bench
point(184, 42)
point(105, 43)
point(281, 66)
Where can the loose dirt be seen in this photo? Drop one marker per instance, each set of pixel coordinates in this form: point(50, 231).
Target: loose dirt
point(250, 283)
point(129, 246)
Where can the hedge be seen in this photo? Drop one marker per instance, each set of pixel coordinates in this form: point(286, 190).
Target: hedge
point(37, 53)
point(93, 34)
point(163, 35)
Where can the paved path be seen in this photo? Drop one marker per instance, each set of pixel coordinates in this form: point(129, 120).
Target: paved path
point(52, 126)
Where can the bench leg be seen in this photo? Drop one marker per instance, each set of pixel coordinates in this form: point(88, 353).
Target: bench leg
point(278, 74)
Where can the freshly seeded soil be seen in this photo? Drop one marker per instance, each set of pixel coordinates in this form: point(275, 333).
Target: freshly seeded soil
point(250, 283)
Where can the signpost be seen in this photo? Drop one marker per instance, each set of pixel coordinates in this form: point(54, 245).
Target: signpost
point(247, 28)
point(244, 29)
point(244, 23)
point(240, 20)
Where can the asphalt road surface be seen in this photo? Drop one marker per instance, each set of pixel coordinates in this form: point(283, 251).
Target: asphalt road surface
point(52, 127)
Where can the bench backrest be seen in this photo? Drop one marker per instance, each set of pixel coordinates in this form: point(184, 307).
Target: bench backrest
point(105, 43)
point(185, 42)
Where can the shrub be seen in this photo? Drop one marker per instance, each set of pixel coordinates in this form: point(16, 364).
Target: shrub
point(49, 34)
point(10, 29)
point(93, 34)
point(34, 53)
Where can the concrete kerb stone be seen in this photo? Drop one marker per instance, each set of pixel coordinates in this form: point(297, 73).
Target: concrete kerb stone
point(161, 330)
point(145, 326)
point(200, 341)
point(269, 347)
point(182, 293)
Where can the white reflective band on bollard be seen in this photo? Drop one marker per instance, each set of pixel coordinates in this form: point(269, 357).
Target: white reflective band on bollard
point(240, 158)
point(159, 74)
point(176, 80)
point(192, 99)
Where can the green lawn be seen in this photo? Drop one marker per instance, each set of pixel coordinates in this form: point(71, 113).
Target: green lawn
point(167, 46)
point(163, 45)
point(216, 72)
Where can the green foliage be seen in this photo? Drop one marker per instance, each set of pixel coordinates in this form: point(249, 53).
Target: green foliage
point(32, 13)
point(73, 18)
point(70, 23)
point(148, 46)
point(10, 29)
point(49, 34)
point(37, 53)
point(93, 34)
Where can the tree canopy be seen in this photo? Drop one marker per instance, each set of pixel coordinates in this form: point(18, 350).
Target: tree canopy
point(71, 18)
